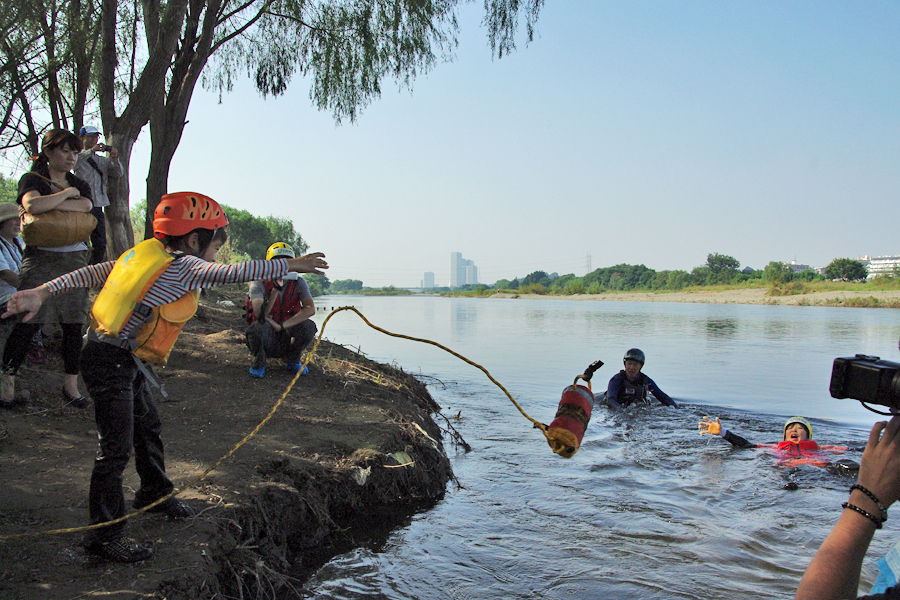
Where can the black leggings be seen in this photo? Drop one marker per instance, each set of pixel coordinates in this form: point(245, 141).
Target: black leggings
point(20, 338)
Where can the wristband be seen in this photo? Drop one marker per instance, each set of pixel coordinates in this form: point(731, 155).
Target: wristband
point(873, 498)
point(867, 515)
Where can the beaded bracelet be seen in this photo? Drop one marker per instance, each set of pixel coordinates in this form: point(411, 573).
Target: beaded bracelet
point(873, 498)
point(867, 515)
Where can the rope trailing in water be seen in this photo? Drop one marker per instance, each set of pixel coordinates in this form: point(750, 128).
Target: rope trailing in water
point(266, 419)
point(537, 424)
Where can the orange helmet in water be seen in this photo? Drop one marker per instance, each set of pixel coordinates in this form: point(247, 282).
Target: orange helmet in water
point(182, 212)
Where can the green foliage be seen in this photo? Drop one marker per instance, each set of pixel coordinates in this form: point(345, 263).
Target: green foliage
point(138, 218)
point(251, 235)
point(318, 284)
point(346, 286)
point(777, 272)
point(722, 268)
point(532, 288)
point(621, 277)
point(537, 277)
point(846, 269)
point(282, 230)
point(9, 189)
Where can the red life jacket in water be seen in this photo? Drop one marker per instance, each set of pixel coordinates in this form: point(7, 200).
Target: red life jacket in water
point(804, 452)
point(287, 303)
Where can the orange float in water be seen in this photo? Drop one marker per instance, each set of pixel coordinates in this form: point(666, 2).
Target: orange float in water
point(572, 417)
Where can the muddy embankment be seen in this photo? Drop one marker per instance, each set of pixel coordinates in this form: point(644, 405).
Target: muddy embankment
point(352, 451)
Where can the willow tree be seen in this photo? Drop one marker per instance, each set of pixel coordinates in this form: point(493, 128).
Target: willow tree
point(149, 55)
point(349, 47)
point(48, 48)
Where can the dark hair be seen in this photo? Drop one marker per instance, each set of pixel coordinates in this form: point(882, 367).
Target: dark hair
point(204, 236)
point(53, 139)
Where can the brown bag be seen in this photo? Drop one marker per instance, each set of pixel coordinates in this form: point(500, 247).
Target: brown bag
point(56, 228)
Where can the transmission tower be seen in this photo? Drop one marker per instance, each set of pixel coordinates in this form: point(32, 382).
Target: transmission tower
point(587, 264)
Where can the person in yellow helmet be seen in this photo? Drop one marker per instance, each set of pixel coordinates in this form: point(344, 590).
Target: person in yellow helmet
point(279, 311)
point(796, 445)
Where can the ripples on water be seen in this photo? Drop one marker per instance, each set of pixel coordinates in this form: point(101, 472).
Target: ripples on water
point(647, 508)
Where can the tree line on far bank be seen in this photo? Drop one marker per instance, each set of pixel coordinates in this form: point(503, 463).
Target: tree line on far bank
point(719, 269)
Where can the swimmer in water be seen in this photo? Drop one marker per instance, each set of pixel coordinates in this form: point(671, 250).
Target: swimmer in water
point(795, 448)
point(629, 385)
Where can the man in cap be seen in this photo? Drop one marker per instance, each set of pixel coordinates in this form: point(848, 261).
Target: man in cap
point(96, 169)
point(279, 312)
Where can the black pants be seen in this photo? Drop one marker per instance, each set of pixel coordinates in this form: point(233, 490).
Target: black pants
point(20, 338)
point(98, 237)
point(127, 418)
point(264, 341)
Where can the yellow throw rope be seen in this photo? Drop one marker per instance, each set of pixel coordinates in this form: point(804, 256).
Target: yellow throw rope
point(271, 413)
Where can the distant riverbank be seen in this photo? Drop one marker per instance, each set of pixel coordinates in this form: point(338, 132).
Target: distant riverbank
point(873, 299)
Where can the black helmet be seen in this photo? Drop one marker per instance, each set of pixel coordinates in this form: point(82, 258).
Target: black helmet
point(634, 354)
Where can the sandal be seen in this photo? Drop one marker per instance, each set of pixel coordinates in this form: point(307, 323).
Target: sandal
point(79, 402)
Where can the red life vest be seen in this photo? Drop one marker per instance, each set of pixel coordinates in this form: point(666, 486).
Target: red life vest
point(287, 303)
point(806, 452)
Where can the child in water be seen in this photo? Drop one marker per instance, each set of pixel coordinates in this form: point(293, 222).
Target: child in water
point(147, 296)
point(797, 446)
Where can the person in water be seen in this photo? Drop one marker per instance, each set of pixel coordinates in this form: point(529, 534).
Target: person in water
point(630, 385)
point(796, 446)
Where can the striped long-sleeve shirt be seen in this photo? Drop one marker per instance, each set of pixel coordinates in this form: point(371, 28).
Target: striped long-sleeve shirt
point(183, 274)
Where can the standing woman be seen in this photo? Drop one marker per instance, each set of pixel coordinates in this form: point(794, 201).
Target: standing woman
point(50, 185)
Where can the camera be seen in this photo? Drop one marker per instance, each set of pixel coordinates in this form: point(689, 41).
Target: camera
point(103, 148)
point(867, 379)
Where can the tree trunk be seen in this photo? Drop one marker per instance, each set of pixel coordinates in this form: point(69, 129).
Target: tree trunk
point(119, 232)
point(168, 116)
point(124, 129)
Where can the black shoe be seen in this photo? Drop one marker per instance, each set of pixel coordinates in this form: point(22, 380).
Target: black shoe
point(172, 508)
point(79, 402)
point(123, 550)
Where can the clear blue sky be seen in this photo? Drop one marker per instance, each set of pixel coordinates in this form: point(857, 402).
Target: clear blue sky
point(636, 132)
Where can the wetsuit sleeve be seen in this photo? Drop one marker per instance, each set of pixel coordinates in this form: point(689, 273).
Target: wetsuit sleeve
point(612, 391)
point(737, 440)
point(659, 394)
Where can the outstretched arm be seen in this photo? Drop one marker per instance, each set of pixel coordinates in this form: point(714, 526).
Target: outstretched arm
point(27, 301)
point(834, 570)
point(310, 263)
point(659, 394)
point(707, 426)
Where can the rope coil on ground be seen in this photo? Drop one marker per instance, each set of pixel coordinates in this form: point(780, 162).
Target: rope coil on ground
point(267, 418)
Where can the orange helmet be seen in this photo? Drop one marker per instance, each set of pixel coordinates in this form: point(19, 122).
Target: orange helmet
point(182, 212)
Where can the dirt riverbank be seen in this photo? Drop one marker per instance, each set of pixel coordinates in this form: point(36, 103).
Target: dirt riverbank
point(740, 296)
point(352, 452)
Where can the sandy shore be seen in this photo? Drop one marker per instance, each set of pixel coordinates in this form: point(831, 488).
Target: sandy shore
point(742, 296)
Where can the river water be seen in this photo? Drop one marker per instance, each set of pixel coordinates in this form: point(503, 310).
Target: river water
point(647, 508)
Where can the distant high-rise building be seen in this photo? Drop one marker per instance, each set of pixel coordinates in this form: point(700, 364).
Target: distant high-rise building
point(462, 271)
point(457, 270)
point(428, 282)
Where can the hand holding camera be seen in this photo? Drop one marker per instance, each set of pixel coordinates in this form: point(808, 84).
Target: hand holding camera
point(102, 148)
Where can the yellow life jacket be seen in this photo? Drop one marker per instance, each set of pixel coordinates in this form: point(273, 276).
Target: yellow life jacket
point(133, 274)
